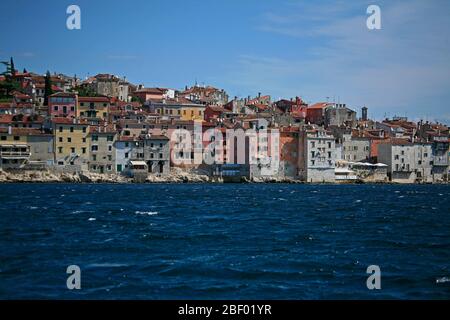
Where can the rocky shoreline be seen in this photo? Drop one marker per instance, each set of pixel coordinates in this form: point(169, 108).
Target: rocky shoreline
point(176, 176)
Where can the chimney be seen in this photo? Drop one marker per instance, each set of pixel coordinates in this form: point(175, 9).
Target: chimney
point(259, 94)
point(9, 130)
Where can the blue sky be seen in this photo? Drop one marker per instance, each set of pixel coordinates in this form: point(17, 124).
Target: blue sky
point(314, 49)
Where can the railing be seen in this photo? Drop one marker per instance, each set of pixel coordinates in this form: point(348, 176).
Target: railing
point(14, 154)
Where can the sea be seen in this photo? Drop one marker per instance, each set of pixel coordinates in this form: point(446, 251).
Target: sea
point(224, 241)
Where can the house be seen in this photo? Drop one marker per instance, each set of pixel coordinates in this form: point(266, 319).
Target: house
point(71, 143)
point(101, 148)
point(339, 115)
point(156, 153)
point(206, 95)
point(289, 151)
point(178, 108)
point(407, 162)
point(145, 94)
point(317, 156)
point(63, 104)
point(124, 148)
point(21, 121)
point(354, 147)
point(215, 113)
point(93, 108)
point(14, 150)
point(315, 114)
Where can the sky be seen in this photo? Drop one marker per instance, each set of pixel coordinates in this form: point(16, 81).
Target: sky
point(319, 50)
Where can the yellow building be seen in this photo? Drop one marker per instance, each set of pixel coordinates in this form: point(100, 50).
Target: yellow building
point(93, 107)
point(179, 108)
point(70, 140)
point(14, 150)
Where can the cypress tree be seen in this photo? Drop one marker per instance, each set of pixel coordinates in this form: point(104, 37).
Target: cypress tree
point(13, 69)
point(48, 88)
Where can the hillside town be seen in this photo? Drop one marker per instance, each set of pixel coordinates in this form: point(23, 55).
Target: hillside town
point(105, 126)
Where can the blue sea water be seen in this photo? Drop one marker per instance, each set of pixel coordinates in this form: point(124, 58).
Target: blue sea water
point(232, 241)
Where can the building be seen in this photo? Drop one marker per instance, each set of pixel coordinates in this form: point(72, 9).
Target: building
point(63, 104)
point(317, 156)
point(289, 152)
point(178, 108)
point(124, 148)
point(339, 115)
point(14, 150)
point(156, 153)
point(440, 147)
point(407, 162)
point(146, 94)
point(355, 148)
point(205, 95)
point(70, 143)
point(101, 149)
point(315, 114)
point(93, 108)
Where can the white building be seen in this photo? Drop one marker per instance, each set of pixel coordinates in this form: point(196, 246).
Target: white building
point(317, 156)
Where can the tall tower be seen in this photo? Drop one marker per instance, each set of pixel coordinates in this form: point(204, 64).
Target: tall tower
point(364, 113)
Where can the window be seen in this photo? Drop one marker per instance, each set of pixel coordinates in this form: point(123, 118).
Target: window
point(110, 148)
point(83, 149)
point(69, 139)
point(160, 155)
point(127, 144)
point(94, 138)
point(60, 129)
point(94, 157)
point(84, 140)
point(60, 149)
point(94, 148)
point(151, 145)
point(160, 145)
point(109, 157)
point(16, 138)
point(55, 108)
point(3, 138)
point(109, 138)
point(151, 155)
point(71, 129)
point(72, 150)
point(84, 129)
point(72, 108)
point(126, 155)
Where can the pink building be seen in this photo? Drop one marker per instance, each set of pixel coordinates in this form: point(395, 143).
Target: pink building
point(63, 104)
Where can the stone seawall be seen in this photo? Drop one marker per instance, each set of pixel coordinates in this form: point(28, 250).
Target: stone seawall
point(176, 176)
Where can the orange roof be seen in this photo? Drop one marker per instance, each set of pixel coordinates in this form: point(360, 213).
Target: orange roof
point(319, 105)
point(93, 99)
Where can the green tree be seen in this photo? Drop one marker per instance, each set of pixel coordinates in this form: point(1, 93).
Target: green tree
point(9, 84)
point(13, 69)
point(48, 87)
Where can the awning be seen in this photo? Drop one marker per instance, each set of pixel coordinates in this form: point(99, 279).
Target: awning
point(138, 163)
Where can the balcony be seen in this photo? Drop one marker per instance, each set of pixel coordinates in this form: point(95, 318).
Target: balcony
point(14, 152)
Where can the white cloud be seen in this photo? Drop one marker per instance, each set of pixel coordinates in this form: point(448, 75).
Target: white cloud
point(405, 66)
